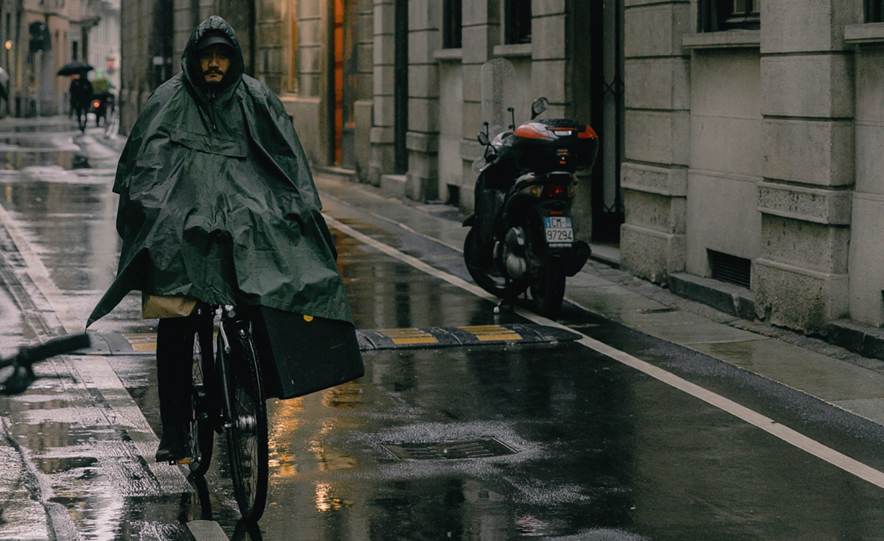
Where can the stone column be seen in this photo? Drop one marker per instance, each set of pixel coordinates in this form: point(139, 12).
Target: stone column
point(363, 106)
point(422, 141)
point(549, 66)
point(657, 147)
point(384, 49)
point(807, 85)
point(481, 32)
point(187, 17)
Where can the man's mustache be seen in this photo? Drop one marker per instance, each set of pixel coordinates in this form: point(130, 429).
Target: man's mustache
point(213, 70)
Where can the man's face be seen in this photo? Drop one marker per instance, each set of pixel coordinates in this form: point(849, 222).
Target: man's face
point(214, 63)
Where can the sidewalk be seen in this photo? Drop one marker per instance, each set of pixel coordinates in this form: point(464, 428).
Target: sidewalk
point(828, 372)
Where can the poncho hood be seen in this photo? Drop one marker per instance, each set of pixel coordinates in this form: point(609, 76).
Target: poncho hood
point(190, 59)
point(217, 201)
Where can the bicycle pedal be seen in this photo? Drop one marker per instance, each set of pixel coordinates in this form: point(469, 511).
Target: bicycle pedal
point(179, 462)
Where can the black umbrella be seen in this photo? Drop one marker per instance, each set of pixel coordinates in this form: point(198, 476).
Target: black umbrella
point(75, 67)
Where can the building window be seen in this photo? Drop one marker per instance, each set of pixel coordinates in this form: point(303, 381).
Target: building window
point(517, 19)
point(720, 15)
point(873, 11)
point(452, 26)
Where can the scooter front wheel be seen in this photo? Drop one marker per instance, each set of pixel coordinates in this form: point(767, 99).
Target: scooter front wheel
point(479, 262)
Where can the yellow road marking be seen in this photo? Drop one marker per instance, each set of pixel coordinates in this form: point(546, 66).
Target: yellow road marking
point(142, 342)
point(491, 333)
point(498, 337)
point(409, 336)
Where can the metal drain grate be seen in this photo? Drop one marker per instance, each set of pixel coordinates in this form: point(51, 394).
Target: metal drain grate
point(449, 450)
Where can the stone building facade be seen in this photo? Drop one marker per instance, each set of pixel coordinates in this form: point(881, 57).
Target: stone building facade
point(427, 98)
point(315, 54)
point(38, 37)
point(752, 156)
point(738, 138)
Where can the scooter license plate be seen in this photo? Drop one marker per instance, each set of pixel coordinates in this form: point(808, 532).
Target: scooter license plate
point(558, 230)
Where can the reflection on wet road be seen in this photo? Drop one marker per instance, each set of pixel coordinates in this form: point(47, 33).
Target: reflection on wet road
point(471, 443)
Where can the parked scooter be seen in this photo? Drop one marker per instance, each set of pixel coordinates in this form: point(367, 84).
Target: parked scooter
point(522, 232)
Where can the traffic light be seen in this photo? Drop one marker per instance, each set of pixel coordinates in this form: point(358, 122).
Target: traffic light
point(39, 36)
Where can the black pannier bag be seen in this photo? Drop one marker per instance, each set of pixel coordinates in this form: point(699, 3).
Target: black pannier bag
point(300, 354)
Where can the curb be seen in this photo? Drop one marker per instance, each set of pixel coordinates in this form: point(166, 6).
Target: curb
point(731, 299)
point(863, 339)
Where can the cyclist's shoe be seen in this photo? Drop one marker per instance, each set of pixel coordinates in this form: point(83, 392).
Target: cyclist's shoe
point(174, 445)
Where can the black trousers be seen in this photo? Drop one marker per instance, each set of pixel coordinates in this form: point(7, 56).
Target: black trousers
point(174, 368)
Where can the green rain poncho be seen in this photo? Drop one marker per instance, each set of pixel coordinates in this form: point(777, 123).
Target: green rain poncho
point(217, 201)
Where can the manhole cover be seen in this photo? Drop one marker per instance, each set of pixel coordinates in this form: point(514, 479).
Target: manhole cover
point(449, 450)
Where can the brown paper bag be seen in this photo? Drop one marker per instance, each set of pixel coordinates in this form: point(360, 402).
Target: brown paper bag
point(160, 306)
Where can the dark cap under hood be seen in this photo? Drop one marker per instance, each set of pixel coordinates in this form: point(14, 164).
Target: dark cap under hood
point(214, 26)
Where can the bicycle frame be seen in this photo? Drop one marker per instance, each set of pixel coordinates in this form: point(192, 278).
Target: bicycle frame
point(228, 395)
point(228, 317)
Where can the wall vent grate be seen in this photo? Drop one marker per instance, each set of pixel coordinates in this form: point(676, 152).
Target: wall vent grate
point(731, 269)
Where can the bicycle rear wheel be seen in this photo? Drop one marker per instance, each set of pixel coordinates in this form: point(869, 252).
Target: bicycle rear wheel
point(247, 434)
point(204, 410)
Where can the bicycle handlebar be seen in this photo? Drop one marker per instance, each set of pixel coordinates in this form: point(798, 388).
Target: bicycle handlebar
point(23, 375)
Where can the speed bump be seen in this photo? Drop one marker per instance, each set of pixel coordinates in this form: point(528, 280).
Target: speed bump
point(369, 340)
point(474, 335)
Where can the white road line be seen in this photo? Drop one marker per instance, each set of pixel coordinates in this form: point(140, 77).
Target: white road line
point(40, 276)
point(206, 530)
point(767, 424)
point(95, 371)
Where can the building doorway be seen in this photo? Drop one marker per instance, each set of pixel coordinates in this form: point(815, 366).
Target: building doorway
point(606, 29)
point(400, 93)
point(343, 82)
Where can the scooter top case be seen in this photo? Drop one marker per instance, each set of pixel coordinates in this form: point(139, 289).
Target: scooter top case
point(556, 144)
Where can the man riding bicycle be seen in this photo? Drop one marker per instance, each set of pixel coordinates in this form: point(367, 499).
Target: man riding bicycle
point(217, 204)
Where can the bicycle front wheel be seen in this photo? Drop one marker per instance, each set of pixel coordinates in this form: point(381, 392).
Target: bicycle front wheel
point(247, 434)
point(204, 409)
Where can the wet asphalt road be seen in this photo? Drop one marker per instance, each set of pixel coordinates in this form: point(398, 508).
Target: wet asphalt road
point(577, 445)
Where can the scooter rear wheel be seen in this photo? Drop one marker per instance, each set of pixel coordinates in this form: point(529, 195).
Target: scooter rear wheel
point(548, 292)
point(479, 264)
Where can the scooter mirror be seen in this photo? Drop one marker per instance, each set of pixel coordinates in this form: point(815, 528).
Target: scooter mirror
point(483, 138)
point(540, 105)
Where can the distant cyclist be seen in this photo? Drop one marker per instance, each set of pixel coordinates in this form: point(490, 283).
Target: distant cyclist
point(217, 204)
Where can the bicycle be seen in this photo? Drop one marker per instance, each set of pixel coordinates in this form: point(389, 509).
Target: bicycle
point(111, 121)
point(22, 374)
point(227, 395)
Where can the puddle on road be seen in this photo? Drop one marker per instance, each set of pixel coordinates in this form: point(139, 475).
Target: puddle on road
point(57, 465)
point(29, 146)
point(19, 160)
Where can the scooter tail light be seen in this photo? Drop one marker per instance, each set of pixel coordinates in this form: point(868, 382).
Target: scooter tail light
point(95, 104)
point(555, 191)
point(588, 133)
point(530, 132)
